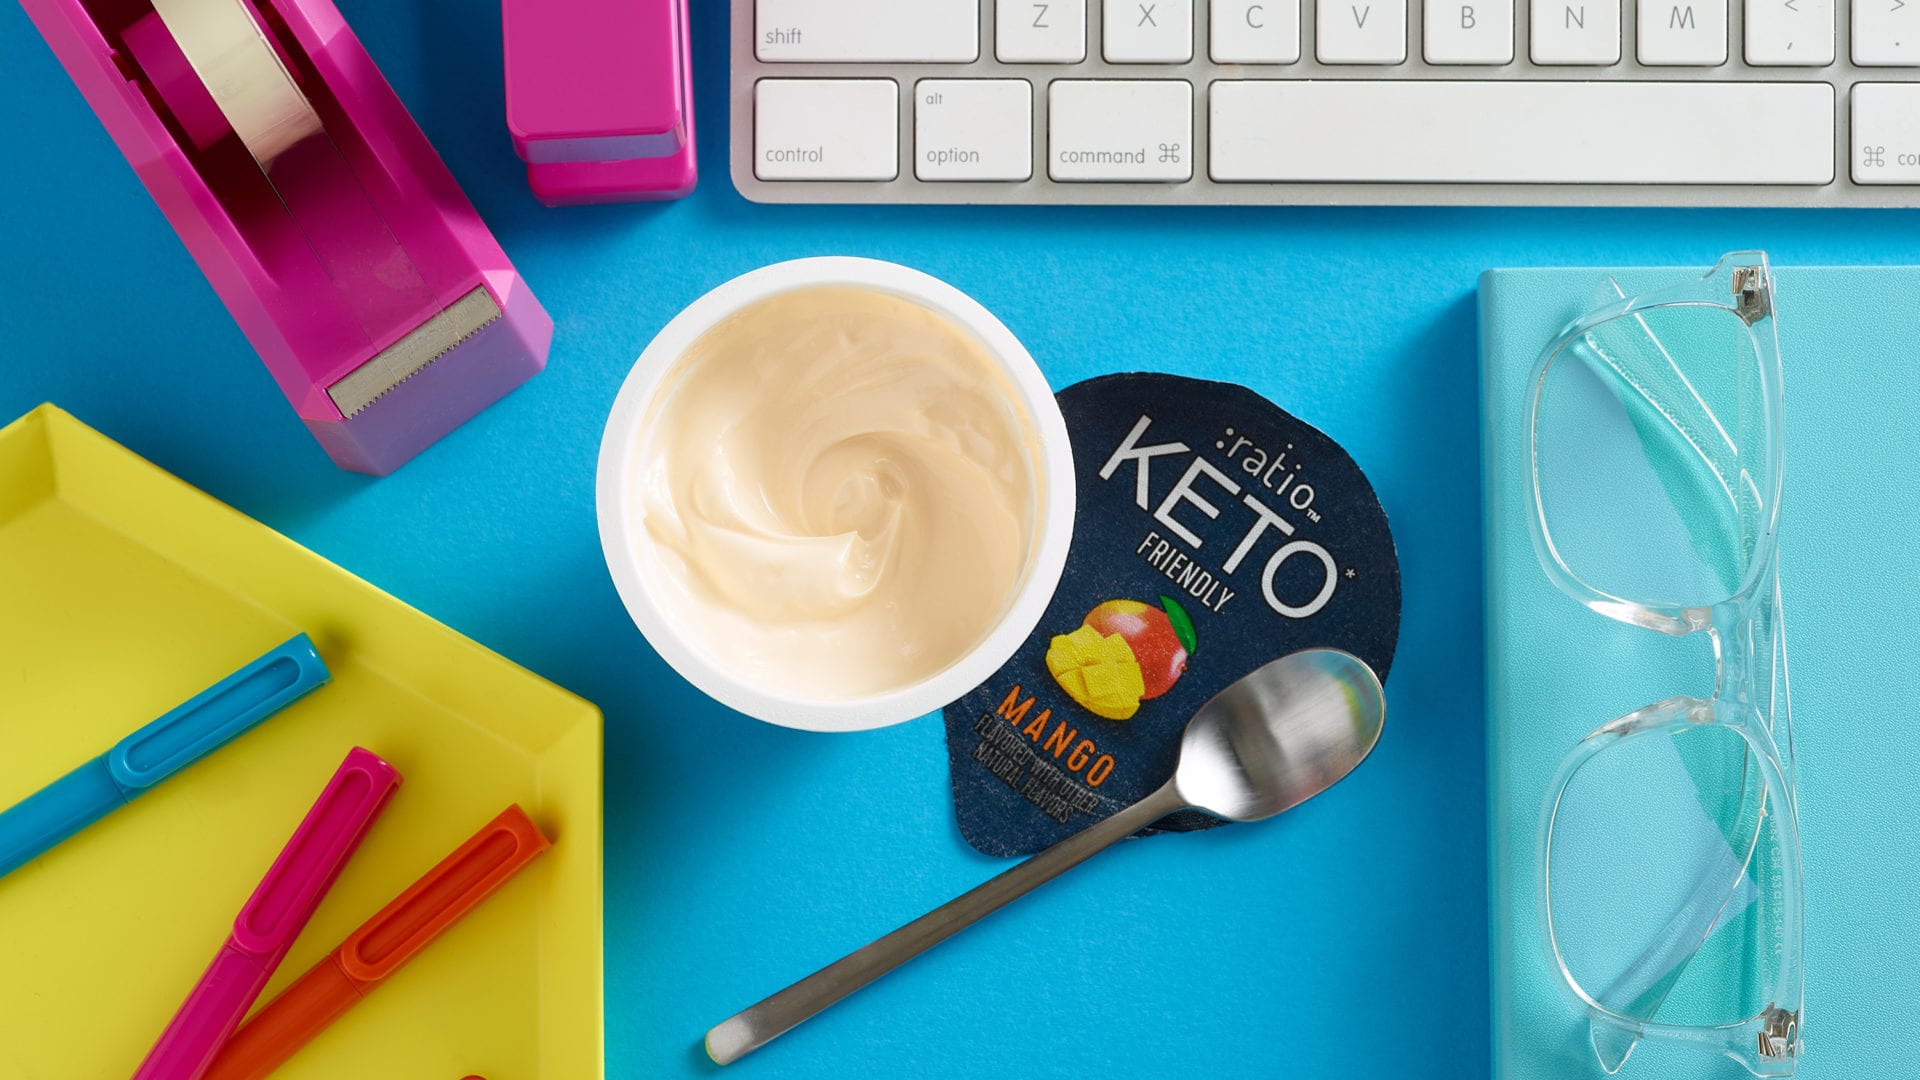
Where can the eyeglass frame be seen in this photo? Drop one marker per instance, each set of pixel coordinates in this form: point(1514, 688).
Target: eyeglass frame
point(1769, 1043)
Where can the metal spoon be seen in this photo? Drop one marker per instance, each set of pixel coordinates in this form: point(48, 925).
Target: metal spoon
point(1281, 735)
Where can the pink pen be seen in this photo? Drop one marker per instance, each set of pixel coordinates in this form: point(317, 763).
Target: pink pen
point(273, 917)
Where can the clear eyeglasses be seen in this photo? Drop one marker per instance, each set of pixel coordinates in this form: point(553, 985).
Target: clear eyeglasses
point(1670, 850)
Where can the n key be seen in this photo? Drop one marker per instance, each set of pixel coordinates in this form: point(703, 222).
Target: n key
point(1576, 31)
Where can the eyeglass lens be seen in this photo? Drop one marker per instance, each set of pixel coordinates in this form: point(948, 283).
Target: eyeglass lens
point(1650, 455)
point(1666, 883)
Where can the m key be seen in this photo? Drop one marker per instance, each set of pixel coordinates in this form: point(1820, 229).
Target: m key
point(1683, 32)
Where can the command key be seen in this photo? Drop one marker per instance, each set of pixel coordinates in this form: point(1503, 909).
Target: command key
point(1886, 133)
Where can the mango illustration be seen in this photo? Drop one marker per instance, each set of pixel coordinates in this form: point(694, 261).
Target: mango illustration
point(1098, 671)
point(1124, 652)
point(1157, 646)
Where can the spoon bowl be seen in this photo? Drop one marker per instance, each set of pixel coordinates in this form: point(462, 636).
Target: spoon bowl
point(1280, 735)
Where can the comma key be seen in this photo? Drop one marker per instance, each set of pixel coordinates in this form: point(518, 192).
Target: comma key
point(1783, 33)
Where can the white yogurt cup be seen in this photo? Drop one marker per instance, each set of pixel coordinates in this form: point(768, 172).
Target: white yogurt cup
point(624, 535)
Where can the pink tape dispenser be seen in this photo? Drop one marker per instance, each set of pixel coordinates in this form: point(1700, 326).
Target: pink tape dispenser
point(600, 98)
point(337, 238)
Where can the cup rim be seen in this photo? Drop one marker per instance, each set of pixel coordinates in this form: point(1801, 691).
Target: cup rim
point(1053, 470)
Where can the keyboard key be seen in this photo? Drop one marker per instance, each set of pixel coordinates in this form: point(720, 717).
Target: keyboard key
point(1886, 33)
point(1789, 32)
point(1683, 32)
point(1469, 31)
point(1886, 133)
point(1361, 31)
point(1520, 132)
point(826, 129)
point(1147, 31)
point(1256, 31)
point(973, 129)
point(1120, 130)
point(1040, 33)
point(1576, 31)
point(867, 31)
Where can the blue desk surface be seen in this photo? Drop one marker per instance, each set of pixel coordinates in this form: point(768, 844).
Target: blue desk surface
point(1348, 938)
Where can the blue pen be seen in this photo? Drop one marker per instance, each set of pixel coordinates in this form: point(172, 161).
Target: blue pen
point(206, 722)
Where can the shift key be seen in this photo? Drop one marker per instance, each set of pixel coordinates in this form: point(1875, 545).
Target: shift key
point(1120, 129)
point(866, 31)
point(826, 129)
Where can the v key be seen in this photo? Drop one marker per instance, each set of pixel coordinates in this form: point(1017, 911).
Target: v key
point(1361, 31)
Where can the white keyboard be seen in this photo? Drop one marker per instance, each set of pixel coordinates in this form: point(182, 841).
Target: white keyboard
point(1504, 102)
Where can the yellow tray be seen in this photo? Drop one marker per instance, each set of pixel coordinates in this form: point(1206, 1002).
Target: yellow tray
point(123, 592)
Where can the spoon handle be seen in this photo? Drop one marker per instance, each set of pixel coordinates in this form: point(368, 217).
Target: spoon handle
point(760, 1024)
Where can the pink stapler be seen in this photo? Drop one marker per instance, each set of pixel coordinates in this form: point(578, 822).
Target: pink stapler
point(337, 238)
point(600, 98)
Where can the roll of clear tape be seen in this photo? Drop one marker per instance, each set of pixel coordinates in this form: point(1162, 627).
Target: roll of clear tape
point(228, 50)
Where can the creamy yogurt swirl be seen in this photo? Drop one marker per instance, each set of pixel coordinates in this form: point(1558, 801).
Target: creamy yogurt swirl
point(839, 487)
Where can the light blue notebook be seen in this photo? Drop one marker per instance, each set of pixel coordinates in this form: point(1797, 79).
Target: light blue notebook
point(1850, 572)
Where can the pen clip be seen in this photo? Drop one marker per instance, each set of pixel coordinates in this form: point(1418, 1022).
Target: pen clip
point(313, 858)
point(216, 715)
point(461, 881)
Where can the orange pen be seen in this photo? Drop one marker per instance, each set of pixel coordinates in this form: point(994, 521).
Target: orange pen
point(381, 946)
